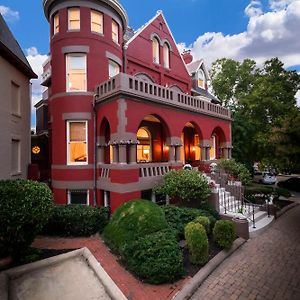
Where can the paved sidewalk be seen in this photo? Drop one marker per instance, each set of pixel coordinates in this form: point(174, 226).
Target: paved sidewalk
point(266, 267)
point(129, 285)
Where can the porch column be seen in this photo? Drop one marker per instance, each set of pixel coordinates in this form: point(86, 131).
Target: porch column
point(177, 152)
point(230, 153)
point(122, 153)
point(115, 153)
point(132, 153)
point(171, 153)
point(203, 153)
point(207, 153)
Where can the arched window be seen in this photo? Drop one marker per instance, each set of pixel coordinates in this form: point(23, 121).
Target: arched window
point(201, 79)
point(166, 56)
point(144, 146)
point(155, 50)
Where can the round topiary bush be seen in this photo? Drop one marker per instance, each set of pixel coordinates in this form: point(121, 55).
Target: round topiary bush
point(76, 220)
point(155, 258)
point(131, 221)
point(25, 207)
point(197, 242)
point(204, 221)
point(224, 233)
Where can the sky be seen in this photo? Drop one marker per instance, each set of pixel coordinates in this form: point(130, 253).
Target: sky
point(212, 29)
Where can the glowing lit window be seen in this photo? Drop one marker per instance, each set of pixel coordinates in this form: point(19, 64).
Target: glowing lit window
point(74, 18)
point(196, 147)
point(166, 56)
point(96, 22)
point(56, 24)
point(115, 31)
point(76, 72)
point(155, 50)
point(36, 150)
point(213, 149)
point(113, 69)
point(201, 79)
point(77, 142)
point(144, 146)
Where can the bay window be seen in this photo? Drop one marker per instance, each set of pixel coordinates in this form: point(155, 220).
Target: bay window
point(76, 72)
point(56, 24)
point(74, 18)
point(96, 22)
point(115, 31)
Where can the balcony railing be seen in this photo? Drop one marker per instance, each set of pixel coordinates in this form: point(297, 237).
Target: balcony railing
point(46, 76)
point(138, 88)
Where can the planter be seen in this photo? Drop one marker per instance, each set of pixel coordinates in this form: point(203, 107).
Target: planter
point(241, 227)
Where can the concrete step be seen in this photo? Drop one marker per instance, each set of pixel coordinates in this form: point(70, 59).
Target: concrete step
point(259, 215)
point(260, 226)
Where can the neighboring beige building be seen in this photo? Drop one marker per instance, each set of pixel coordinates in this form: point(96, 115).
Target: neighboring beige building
point(15, 106)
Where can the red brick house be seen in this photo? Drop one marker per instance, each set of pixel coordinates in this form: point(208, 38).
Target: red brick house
point(124, 107)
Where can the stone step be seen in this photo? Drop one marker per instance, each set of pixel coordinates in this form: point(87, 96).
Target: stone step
point(260, 226)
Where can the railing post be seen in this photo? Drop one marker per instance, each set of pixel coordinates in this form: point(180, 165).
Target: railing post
point(253, 218)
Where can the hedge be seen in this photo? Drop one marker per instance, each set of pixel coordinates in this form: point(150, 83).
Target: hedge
point(76, 220)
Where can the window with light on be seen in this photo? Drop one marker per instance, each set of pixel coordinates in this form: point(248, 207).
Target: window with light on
point(76, 72)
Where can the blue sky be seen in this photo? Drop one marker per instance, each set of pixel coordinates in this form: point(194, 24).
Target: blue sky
point(212, 29)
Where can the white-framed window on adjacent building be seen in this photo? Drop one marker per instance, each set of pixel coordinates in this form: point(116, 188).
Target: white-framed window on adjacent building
point(76, 72)
point(15, 156)
point(74, 18)
point(113, 68)
point(15, 100)
point(56, 24)
point(77, 142)
point(155, 50)
point(166, 50)
point(80, 197)
point(115, 31)
point(96, 22)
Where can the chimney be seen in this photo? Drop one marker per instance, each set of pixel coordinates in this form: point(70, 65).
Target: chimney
point(187, 56)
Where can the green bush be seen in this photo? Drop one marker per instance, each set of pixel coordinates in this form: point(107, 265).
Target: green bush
point(224, 233)
point(131, 221)
point(235, 169)
point(197, 243)
point(155, 258)
point(179, 217)
point(25, 207)
point(185, 185)
point(76, 220)
point(204, 221)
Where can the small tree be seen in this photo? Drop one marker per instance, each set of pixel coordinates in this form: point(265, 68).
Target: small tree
point(186, 185)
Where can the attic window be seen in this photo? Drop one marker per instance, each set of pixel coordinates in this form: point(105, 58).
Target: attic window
point(201, 79)
point(155, 50)
point(166, 56)
point(160, 26)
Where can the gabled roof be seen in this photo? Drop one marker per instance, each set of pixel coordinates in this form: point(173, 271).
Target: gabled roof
point(141, 29)
point(194, 67)
point(12, 51)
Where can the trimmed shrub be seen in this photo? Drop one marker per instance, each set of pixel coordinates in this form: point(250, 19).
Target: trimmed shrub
point(155, 258)
point(179, 217)
point(186, 185)
point(197, 242)
point(224, 233)
point(204, 221)
point(25, 207)
point(131, 221)
point(76, 220)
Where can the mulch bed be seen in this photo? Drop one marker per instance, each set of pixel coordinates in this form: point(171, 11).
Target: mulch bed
point(191, 270)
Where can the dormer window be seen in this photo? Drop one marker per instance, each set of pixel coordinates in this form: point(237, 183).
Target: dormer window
point(201, 79)
point(166, 56)
point(74, 18)
point(155, 50)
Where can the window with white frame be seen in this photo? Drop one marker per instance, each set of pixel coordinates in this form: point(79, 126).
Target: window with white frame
point(155, 50)
point(56, 24)
point(166, 56)
point(15, 156)
point(80, 197)
point(74, 18)
point(115, 31)
point(113, 68)
point(76, 72)
point(201, 79)
point(15, 99)
point(77, 150)
point(96, 21)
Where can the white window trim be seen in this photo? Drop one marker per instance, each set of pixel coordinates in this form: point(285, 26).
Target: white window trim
point(69, 27)
point(69, 163)
point(67, 73)
point(118, 32)
point(166, 46)
point(54, 25)
point(87, 197)
point(102, 21)
point(110, 61)
point(156, 56)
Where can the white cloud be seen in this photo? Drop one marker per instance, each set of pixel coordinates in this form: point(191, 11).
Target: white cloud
point(8, 14)
point(36, 61)
point(269, 34)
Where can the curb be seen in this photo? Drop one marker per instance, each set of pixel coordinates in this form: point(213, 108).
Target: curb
point(285, 209)
point(189, 289)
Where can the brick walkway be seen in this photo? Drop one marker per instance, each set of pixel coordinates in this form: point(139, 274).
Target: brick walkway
point(130, 286)
point(266, 267)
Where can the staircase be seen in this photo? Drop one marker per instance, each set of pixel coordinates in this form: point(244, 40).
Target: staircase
point(232, 203)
